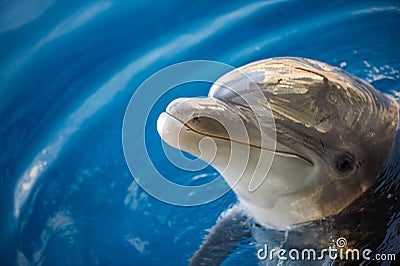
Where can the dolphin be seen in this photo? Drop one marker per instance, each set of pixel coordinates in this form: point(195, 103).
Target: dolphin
point(298, 140)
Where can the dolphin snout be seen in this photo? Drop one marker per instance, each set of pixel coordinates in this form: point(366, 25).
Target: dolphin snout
point(206, 116)
point(213, 117)
point(187, 121)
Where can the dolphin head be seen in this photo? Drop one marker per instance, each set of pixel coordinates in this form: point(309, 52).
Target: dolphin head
point(297, 140)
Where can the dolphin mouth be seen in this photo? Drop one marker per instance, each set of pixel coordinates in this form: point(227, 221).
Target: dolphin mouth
point(282, 153)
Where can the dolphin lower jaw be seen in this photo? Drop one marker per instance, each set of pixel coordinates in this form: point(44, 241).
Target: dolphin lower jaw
point(248, 173)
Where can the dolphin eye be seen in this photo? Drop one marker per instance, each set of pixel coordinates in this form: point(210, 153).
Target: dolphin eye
point(345, 163)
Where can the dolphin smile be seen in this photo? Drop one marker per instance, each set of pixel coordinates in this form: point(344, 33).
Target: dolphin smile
point(168, 115)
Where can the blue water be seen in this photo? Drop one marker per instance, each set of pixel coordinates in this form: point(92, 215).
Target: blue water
point(67, 72)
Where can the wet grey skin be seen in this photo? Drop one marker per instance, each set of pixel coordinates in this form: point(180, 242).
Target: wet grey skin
point(333, 131)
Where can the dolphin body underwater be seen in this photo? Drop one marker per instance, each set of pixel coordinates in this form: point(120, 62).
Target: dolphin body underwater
point(321, 157)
